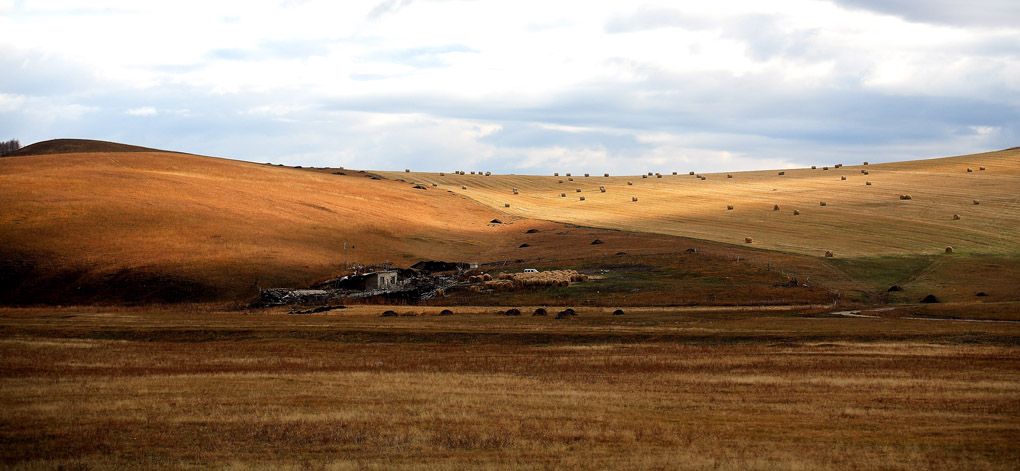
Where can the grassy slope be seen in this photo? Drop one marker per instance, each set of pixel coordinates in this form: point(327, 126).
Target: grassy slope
point(858, 221)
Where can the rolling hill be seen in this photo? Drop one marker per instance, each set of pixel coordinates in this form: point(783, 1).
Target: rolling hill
point(87, 221)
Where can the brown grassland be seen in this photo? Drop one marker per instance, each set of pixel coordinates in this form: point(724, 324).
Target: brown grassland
point(718, 362)
point(118, 388)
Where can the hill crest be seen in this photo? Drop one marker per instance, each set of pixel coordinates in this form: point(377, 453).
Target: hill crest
point(79, 146)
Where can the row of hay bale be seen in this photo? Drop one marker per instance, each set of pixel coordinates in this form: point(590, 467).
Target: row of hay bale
point(479, 278)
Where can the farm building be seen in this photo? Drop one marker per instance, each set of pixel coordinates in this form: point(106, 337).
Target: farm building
point(381, 280)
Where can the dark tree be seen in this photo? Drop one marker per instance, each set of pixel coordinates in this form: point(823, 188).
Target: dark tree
point(9, 147)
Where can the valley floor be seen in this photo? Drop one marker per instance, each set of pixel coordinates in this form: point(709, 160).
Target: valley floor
point(196, 387)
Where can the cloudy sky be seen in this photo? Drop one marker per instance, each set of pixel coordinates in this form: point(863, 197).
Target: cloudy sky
point(518, 86)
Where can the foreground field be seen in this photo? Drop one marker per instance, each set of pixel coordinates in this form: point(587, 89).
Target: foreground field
point(653, 389)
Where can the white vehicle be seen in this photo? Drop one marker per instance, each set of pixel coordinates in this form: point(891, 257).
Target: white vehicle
point(530, 270)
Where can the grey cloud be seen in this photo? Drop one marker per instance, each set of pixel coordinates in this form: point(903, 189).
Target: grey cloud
point(1002, 13)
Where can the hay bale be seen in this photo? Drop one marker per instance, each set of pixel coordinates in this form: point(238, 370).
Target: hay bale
point(540, 312)
point(582, 198)
point(630, 182)
point(633, 198)
point(506, 205)
point(488, 173)
point(407, 170)
point(930, 299)
point(868, 183)
point(618, 312)
point(782, 173)
point(981, 168)
point(650, 174)
point(775, 207)
point(956, 217)
point(561, 181)
point(674, 173)
point(704, 178)
point(828, 254)
point(597, 242)
point(606, 175)
point(842, 177)
point(729, 207)
point(388, 314)
point(570, 179)
point(839, 165)
point(644, 176)
point(729, 176)
point(796, 212)
point(441, 174)
point(472, 172)
point(821, 203)
point(825, 168)
point(568, 174)
point(894, 288)
point(563, 195)
point(556, 174)
point(602, 189)
point(865, 162)
point(578, 190)
point(658, 176)
point(515, 191)
point(446, 312)
point(692, 173)
point(748, 240)
point(813, 167)
point(486, 277)
point(586, 175)
point(969, 170)
point(531, 231)
point(977, 202)
point(949, 249)
point(462, 187)
point(906, 197)
point(512, 312)
point(434, 185)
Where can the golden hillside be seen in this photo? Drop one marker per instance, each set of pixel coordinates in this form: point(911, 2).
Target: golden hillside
point(857, 220)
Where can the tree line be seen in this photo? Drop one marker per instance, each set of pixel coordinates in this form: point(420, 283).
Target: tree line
point(9, 147)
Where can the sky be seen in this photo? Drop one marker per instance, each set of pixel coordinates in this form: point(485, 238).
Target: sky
point(518, 86)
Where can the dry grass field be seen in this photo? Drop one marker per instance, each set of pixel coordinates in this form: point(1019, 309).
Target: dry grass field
point(194, 388)
point(858, 220)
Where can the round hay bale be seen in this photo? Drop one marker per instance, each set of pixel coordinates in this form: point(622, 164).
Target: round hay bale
point(618, 312)
point(644, 176)
point(388, 314)
point(894, 288)
point(748, 240)
point(563, 195)
point(407, 170)
point(825, 168)
point(930, 299)
point(674, 173)
point(828, 253)
point(596, 242)
point(692, 173)
point(906, 197)
point(842, 177)
point(729, 176)
point(633, 198)
point(441, 174)
point(515, 191)
point(446, 312)
point(486, 277)
point(606, 175)
point(512, 312)
point(570, 179)
point(796, 212)
point(650, 174)
point(729, 207)
point(704, 178)
point(630, 182)
point(462, 187)
point(578, 190)
point(782, 173)
point(969, 170)
point(956, 217)
point(865, 162)
point(658, 176)
point(981, 168)
point(568, 174)
point(586, 175)
point(488, 173)
point(561, 181)
point(949, 249)
point(775, 207)
point(506, 205)
point(821, 203)
point(813, 167)
point(582, 198)
point(602, 189)
point(839, 165)
point(540, 312)
point(977, 202)
point(435, 185)
point(472, 172)
point(556, 174)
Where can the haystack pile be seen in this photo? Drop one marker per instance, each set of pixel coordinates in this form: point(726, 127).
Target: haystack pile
point(545, 278)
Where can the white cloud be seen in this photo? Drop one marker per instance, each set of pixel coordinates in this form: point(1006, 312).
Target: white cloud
point(143, 111)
